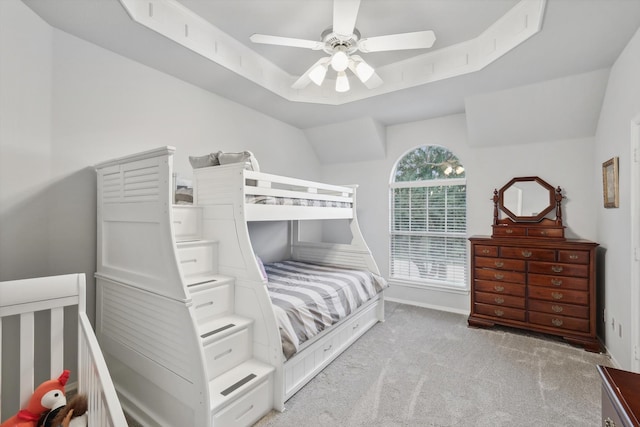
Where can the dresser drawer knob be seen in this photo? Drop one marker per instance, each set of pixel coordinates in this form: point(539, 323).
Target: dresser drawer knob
point(526, 254)
point(498, 288)
point(486, 251)
point(508, 231)
point(556, 322)
point(573, 256)
point(499, 300)
point(543, 233)
point(556, 295)
point(499, 264)
point(499, 276)
point(557, 308)
point(499, 312)
point(556, 268)
point(556, 282)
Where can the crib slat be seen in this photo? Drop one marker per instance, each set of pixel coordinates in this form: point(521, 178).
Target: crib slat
point(57, 341)
point(27, 340)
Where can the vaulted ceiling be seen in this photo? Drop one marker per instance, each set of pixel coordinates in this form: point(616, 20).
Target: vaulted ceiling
point(575, 37)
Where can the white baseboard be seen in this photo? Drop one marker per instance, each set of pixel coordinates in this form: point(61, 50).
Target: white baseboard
point(425, 305)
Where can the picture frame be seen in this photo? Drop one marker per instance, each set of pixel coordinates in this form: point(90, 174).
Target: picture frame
point(610, 190)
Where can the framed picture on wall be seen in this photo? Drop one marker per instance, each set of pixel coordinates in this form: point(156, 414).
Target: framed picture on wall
point(610, 183)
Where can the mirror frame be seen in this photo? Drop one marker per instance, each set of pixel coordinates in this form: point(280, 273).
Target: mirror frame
point(534, 218)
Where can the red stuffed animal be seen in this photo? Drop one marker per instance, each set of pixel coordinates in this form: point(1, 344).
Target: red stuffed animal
point(48, 395)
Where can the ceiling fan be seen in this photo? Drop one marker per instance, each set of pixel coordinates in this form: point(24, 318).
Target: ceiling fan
point(341, 41)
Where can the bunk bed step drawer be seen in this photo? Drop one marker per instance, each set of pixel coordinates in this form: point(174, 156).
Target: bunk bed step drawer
point(247, 409)
point(226, 353)
point(187, 223)
point(213, 302)
point(198, 259)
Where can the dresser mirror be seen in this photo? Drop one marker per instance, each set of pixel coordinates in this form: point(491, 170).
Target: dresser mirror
point(526, 199)
point(521, 207)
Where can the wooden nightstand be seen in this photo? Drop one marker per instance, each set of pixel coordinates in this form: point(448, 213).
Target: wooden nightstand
point(620, 397)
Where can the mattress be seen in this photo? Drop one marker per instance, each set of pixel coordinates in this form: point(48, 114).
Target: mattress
point(308, 298)
point(292, 201)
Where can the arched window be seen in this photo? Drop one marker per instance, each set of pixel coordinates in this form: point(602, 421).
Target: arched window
point(428, 218)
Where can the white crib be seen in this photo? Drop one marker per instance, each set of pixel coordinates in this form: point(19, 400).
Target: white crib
point(30, 299)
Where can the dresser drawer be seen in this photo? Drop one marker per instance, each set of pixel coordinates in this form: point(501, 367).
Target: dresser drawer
point(500, 263)
point(527, 253)
point(559, 295)
point(561, 282)
point(223, 354)
point(557, 308)
point(500, 231)
point(187, 223)
point(198, 258)
point(499, 275)
point(501, 312)
point(555, 321)
point(576, 257)
point(247, 409)
point(545, 232)
point(483, 250)
point(497, 299)
point(559, 269)
point(500, 288)
point(212, 302)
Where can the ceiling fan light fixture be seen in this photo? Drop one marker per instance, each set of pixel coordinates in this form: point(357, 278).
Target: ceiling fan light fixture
point(339, 61)
point(363, 70)
point(318, 74)
point(342, 82)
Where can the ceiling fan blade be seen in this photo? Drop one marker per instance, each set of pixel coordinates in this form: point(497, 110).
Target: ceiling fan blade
point(304, 79)
point(345, 13)
point(287, 41)
point(416, 40)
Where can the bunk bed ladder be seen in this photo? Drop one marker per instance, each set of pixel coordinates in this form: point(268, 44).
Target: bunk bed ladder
point(240, 387)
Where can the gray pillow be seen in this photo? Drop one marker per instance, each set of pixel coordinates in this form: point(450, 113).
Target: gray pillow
point(204, 161)
point(241, 157)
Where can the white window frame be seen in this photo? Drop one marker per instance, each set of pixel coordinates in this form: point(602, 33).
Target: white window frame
point(461, 286)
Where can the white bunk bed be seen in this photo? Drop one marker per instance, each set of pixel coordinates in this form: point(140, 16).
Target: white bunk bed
point(184, 314)
point(28, 299)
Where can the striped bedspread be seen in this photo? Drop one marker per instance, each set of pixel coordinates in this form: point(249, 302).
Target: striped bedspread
point(308, 298)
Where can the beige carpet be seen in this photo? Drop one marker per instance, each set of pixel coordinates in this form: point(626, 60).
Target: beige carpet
point(427, 368)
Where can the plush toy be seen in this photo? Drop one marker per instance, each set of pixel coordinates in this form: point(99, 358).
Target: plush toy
point(73, 414)
point(48, 395)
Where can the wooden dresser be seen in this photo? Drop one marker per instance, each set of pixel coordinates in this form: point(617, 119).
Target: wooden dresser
point(527, 275)
point(535, 284)
point(620, 397)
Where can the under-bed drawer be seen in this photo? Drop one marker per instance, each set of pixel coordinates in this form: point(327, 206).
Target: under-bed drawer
point(212, 302)
point(224, 354)
point(198, 259)
point(187, 223)
point(246, 410)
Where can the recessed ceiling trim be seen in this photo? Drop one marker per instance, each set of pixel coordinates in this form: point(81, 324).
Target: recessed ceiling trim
point(176, 22)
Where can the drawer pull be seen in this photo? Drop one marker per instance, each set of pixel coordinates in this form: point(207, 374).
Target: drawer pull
point(499, 312)
point(328, 348)
point(556, 282)
point(184, 261)
point(486, 251)
point(177, 222)
point(498, 288)
point(573, 256)
point(556, 268)
point(556, 322)
point(543, 233)
point(499, 264)
point(556, 295)
point(527, 254)
point(508, 231)
point(356, 326)
point(557, 308)
point(499, 300)
point(224, 353)
point(499, 276)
